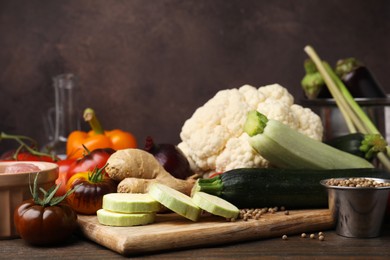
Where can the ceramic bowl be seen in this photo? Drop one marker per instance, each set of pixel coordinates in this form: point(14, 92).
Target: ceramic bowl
point(14, 188)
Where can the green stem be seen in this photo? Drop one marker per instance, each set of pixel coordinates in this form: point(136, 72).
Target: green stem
point(214, 188)
point(209, 180)
point(94, 123)
point(97, 174)
point(19, 139)
point(255, 123)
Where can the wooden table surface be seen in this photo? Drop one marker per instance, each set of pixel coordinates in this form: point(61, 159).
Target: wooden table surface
point(333, 247)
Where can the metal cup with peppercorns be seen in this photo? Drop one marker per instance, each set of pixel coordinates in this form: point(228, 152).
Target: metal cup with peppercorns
point(358, 205)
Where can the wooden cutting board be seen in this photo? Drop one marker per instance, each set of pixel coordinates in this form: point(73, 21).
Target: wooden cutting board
point(171, 231)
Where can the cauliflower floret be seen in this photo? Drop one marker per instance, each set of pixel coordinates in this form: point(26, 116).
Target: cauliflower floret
point(243, 154)
point(213, 139)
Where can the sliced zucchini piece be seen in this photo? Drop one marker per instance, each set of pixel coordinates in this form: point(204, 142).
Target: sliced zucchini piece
point(174, 200)
point(215, 205)
point(116, 219)
point(130, 203)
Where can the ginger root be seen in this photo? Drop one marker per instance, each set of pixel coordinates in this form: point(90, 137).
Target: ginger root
point(137, 169)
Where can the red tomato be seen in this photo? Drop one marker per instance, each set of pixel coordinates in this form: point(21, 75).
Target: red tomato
point(89, 189)
point(215, 174)
point(97, 158)
point(44, 225)
point(63, 168)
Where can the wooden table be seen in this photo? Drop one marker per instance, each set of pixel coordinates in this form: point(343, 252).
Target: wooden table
point(333, 247)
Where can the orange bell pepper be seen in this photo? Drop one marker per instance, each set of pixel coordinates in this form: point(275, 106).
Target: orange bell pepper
point(97, 138)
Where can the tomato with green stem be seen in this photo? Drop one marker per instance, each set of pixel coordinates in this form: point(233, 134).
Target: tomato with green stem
point(89, 189)
point(45, 221)
point(90, 160)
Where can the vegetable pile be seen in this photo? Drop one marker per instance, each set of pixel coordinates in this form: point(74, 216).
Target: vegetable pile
point(213, 139)
point(136, 170)
point(262, 149)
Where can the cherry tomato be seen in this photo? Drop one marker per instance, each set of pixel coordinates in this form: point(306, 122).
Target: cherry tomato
point(89, 189)
point(26, 156)
point(63, 168)
point(44, 225)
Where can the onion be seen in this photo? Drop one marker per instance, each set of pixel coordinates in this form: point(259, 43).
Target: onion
point(170, 157)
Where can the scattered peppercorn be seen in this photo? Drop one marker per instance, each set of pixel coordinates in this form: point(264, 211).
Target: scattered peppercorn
point(312, 236)
point(303, 235)
point(321, 238)
point(284, 237)
point(256, 213)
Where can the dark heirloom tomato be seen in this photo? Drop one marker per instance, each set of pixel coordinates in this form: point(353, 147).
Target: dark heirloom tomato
point(47, 220)
point(87, 197)
point(44, 225)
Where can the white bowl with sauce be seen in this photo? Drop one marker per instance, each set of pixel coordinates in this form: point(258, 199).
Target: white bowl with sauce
point(15, 180)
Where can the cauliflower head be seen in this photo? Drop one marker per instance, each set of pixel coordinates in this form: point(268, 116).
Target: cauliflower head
point(213, 139)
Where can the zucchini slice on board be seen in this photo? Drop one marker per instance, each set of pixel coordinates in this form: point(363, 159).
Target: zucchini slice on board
point(116, 219)
point(130, 203)
point(215, 205)
point(176, 201)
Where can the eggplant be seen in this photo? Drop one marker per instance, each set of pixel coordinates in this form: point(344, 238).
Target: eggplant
point(349, 143)
point(358, 79)
point(363, 145)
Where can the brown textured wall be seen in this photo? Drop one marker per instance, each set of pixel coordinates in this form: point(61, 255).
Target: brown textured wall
point(146, 65)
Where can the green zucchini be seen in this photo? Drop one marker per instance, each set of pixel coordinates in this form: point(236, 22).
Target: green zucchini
point(285, 147)
point(270, 187)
